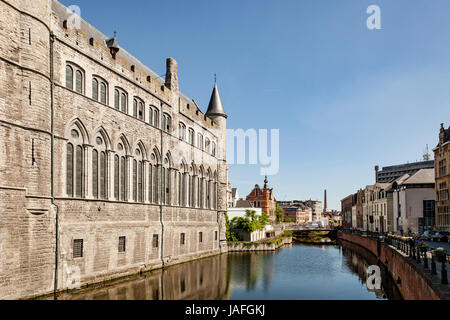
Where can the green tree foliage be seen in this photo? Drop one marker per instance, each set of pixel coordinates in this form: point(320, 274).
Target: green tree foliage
point(251, 222)
point(279, 213)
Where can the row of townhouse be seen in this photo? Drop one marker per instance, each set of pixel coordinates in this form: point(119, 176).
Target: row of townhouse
point(405, 198)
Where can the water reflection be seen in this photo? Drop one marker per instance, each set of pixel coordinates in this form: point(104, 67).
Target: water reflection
point(299, 272)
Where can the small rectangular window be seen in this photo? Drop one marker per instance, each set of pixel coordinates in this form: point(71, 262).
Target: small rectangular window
point(182, 238)
point(155, 241)
point(200, 237)
point(216, 235)
point(78, 248)
point(121, 244)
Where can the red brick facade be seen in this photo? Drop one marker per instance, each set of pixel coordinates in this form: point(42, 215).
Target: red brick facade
point(264, 199)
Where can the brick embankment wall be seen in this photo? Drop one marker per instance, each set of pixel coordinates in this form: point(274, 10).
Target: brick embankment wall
point(258, 246)
point(414, 284)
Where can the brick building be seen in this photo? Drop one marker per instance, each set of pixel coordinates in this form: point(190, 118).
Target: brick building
point(264, 199)
point(299, 214)
point(346, 211)
point(442, 174)
point(101, 161)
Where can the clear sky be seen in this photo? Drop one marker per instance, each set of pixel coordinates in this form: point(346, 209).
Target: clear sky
point(344, 97)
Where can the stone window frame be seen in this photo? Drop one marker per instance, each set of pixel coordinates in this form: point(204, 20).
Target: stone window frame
point(154, 116)
point(166, 122)
point(138, 105)
point(100, 82)
point(119, 93)
point(75, 69)
point(191, 136)
point(181, 131)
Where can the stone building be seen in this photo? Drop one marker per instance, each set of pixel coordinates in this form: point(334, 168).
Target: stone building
point(357, 209)
point(264, 199)
point(299, 214)
point(442, 173)
point(391, 173)
point(414, 202)
point(346, 211)
point(105, 170)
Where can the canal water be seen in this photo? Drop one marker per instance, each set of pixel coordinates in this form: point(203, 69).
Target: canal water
point(297, 272)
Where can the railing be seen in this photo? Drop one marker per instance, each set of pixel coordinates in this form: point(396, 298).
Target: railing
point(416, 250)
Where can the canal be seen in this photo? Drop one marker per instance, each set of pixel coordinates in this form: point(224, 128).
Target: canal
point(298, 272)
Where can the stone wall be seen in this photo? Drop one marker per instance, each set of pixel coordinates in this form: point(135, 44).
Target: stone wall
point(27, 215)
point(414, 284)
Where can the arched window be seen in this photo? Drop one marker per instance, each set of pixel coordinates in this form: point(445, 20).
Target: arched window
point(74, 165)
point(166, 182)
point(213, 151)
point(201, 189)
point(191, 187)
point(120, 172)
point(95, 89)
point(99, 179)
point(103, 91)
point(181, 131)
point(167, 122)
point(191, 136)
point(153, 175)
point(120, 100)
point(138, 171)
point(182, 186)
point(207, 145)
point(99, 90)
point(116, 99)
point(138, 109)
point(70, 70)
point(79, 81)
point(69, 77)
point(153, 116)
point(200, 141)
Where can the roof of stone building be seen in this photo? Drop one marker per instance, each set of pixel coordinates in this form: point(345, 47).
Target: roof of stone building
point(241, 203)
point(62, 11)
point(421, 176)
point(398, 181)
point(215, 107)
point(447, 135)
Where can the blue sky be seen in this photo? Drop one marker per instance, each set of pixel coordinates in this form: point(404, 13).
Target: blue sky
point(345, 98)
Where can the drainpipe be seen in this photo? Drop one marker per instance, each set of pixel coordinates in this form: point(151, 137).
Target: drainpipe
point(161, 189)
point(52, 163)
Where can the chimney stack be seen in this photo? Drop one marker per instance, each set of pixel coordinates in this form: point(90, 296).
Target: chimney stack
point(171, 74)
point(325, 202)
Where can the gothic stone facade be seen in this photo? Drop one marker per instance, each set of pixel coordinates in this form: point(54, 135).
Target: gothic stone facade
point(442, 174)
point(104, 170)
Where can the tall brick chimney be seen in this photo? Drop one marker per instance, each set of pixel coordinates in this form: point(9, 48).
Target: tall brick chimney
point(171, 74)
point(325, 202)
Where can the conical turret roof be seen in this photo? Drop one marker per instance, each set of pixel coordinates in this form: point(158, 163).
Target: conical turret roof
point(215, 107)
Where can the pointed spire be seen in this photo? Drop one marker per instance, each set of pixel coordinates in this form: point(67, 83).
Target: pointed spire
point(215, 107)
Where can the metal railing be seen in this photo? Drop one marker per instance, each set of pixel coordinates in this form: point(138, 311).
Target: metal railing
point(416, 250)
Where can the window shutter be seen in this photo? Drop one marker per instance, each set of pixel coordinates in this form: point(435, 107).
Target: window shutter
point(78, 248)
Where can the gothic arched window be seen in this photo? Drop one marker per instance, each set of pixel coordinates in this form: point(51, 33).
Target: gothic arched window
point(99, 163)
point(75, 165)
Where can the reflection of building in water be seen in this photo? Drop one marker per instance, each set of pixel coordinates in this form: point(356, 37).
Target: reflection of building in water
point(204, 279)
point(359, 266)
point(250, 269)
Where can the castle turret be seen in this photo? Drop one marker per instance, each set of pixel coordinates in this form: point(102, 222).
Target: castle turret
point(217, 114)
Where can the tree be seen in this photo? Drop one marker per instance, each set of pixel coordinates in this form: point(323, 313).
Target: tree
point(279, 213)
